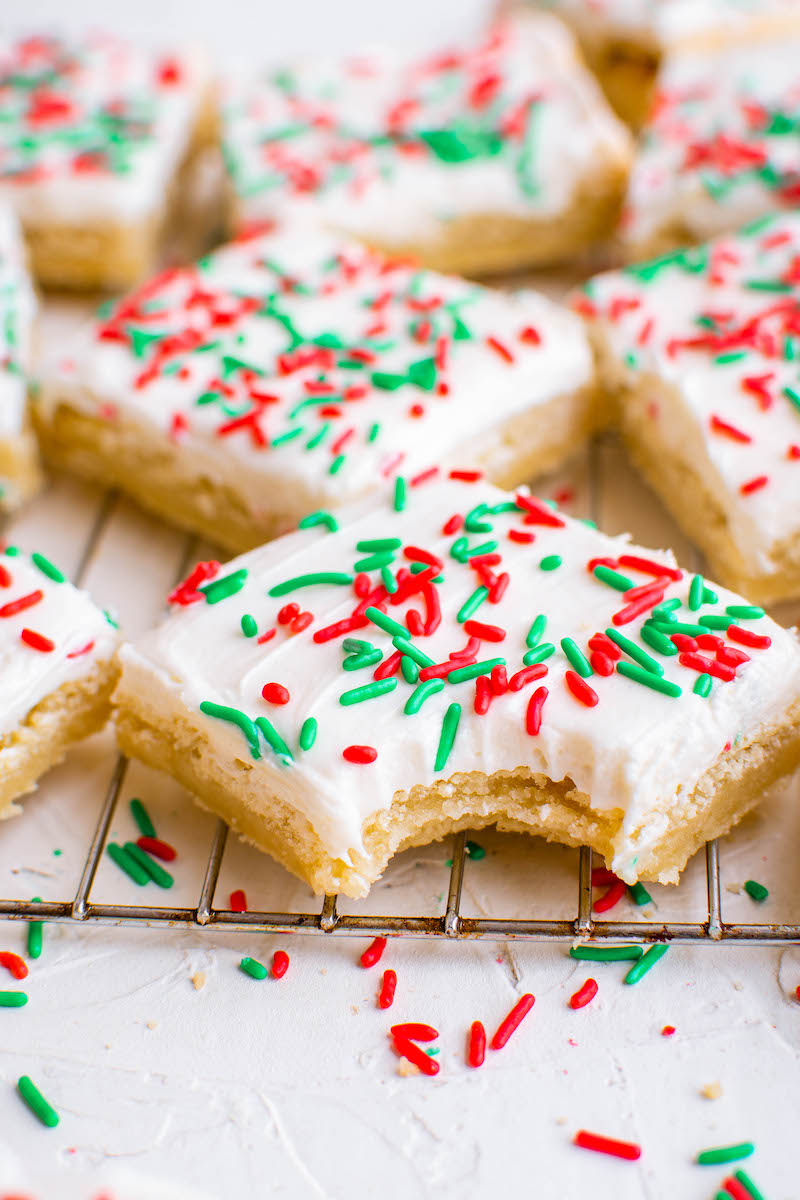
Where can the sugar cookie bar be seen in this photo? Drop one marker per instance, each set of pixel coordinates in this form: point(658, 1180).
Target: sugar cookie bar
point(58, 652)
point(19, 469)
point(93, 138)
point(700, 350)
point(625, 40)
point(488, 157)
point(464, 658)
point(294, 371)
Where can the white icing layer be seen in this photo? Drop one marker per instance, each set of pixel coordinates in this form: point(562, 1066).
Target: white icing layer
point(634, 750)
point(17, 308)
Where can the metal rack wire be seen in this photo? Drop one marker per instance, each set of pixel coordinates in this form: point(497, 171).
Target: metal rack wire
point(450, 924)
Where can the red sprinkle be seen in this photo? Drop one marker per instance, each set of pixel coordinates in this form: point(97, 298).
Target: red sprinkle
point(512, 1021)
point(13, 963)
point(416, 1030)
point(668, 1031)
point(523, 536)
point(745, 637)
point(301, 622)
point(736, 1190)
point(360, 754)
point(488, 633)
point(5, 577)
point(373, 952)
point(275, 693)
point(266, 636)
point(453, 524)
point(584, 995)
point(406, 1049)
point(530, 335)
point(720, 426)
point(602, 877)
point(649, 567)
point(37, 641)
point(238, 901)
point(754, 485)
point(17, 606)
point(610, 898)
point(476, 1044)
point(467, 476)
point(601, 663)
point(288, 613)
point(533, 715)
point(280, 964)
point(631, 611)
point(498, 347)
point(526, 676)
point(603, 1145)
point(157, 848)
point(388, 985)
point(580, 689)
point(79, 653)
point(604, 644)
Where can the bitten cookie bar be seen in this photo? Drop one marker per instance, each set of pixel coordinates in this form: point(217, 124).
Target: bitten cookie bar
point(625, 40)
point(488, 157)
point(19, 469)
point(293, 371)
point(699, 350)
point(58, 671)
point(463, 658)
point(721, 147)
point(93, 138)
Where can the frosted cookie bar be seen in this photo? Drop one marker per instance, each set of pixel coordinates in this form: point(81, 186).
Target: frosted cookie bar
point(721, 146)
point(294, 371)
point(19, 470)
point(58, 670)
point(624, 40)
point(487, 157)
point(93, 138)
point(700, 350)
point(466, 657)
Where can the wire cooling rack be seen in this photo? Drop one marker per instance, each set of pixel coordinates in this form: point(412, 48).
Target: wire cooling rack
point(451, 923)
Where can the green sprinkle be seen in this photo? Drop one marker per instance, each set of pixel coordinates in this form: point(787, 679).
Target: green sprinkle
point(666, 607)
point(249, 625)
point(420, 695)
point(639, 894)
point(551, 562)
point(536, 631)
point(399, 494)
point(253, 968)
point(364, 658)
point(320, 517)
point(696, 592)
point(475, 851)
point(127, 864)
point(646, 962)
point(35, 934)
point(47, 568)
point(406, 647)
point(369, 691)
point(273, 738)
point(221, 589)
point(756, 891)
point(472, 604)
point(730, 357)
point(709, 596)
point(538, 654)
point(576, 657)
point(669, 627)
point(374, 561)
point(36, 1102)
point(612, 578)
point(473, 522)
point(300, 581)
point(142, 818)
point(606, 953)
point(793, 395)
point(423, 374)
point(634, 651)
point(388, 580)
point(374, 430)
point(289, 436)
point(409, 669)
point(655, 682)
point(659, 641)
point(149, 865)
point(387, 624)
point(746, 1182)
point(308, 733)
point(337, 464)
point(447, 736)
point(702, 685)
point(13, 999)
point(464, 674)
point(223, 713)
point(387, 381)
point(377, 545)
point(725, 1154)
point(745, 612)
point(714, 621)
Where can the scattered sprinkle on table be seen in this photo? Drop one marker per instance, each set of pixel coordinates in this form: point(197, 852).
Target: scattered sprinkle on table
point(756, 891)
point(36, 1102)
point(15, 965)
point(604, 1145)
point(607, 953)
point(584, 995)
point(512, 1022)
point(725, 1154)
point(13, 999)
point(253, 968)
point(373, 952)
point(646, 962)
point(476, 1044)
point(388, 986)
point(408, 1050)
point(142, 818)
point(35, 934)
point(280, 964)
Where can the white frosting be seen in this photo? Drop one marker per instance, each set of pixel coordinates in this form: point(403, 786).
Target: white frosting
point(722, 145)
point(518, 122)
point(65, 617)
point(643, 324)
point(633, 751)
point(392, 316)
point(666, 22)
point(17, 307)
point(101, 135)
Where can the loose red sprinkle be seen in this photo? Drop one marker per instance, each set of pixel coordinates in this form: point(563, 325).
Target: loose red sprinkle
point(736, 1190)
point(610, 898)
point(745, 637)
point(530, 335)
point(601, 663)
point(649, 566)
point(631, 611)
point(512, 1022)
point(288, 613)
point(280, 964)
point(476, 1044)
point(416, 1030)
point(360, 754)
point(157, 848)
point(373, 952)
point(668, 1031)
point(797, 992)
point(526, 676)
point(604, 644)
point(406, 1049)
point(754, 485)
point(17, 606)
point(488, 633)
point(523, 536)
point(723, 427)
point(275, 693)
point(453, 524)
point(793, 452)
point(238, 901)
point(13, 963)
point(603, 1145)
point(495, 344)
point(584, 995)
point(423, 477)
point(388, 985)
point(533, 715)
point(611, 563)
point(498, 680)
point(537, 513)
point(685, 643)
point(266, 636)
point(602, 877)
point(706, 666)
point(580, 689)
point(37, 641)
point(301, 622)
point(483, 695)
point(467, 476)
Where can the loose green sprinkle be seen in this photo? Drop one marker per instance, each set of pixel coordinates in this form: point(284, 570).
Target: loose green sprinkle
point(696, 592)
point(702, 686)
point(709, 596)
point(47, 568)
point(223, 713)
point(536, 631)
point(756, 891)
point(36, 1102)
point(399, 494)
point(447, 736)
point(472, 604)
point(13, 999)
point(253, 968)
point(639, 894)
point(745, 612)
point(127, 864)
point(714, 621)
point(388, 580)
point(646, 962)
point(634, 651)
point(35, 934)
point(475, 851)
point(464, 674)
point(409, 669)
point(369, 691)
point(368, 657)
point(308, 733)
point(387, 624)
point(321, 517)
point(613, 578)
point(273, 738)
point(156, 872)
point(606, 953)
point(666, 608)
point(538, 654)
point(576, 657)
point(336, 464)
point(746, 1182)
point(378, 545)
point(142, 818)
point(249, 625)
point(725, 1154)
point(551, 562)
point(221, 589)
point(381, 559)
point(643, 676)
point(301, 581)
point(659, 641)
point(670, 626)
point(420, 695)
point(406, 647)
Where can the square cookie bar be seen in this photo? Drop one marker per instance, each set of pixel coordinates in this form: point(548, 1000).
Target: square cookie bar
point(699, 349)
point(487, 157)
point(721, 146)
point(19, 459)
point(293, 371)
point(58, 652)
point(464, 658)
point(94, 135)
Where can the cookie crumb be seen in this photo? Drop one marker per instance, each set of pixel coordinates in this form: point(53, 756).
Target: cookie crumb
point(406, 1068)
point(711, 1091)
point(199, 980)
point(152, 1024)
point(734, 888)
